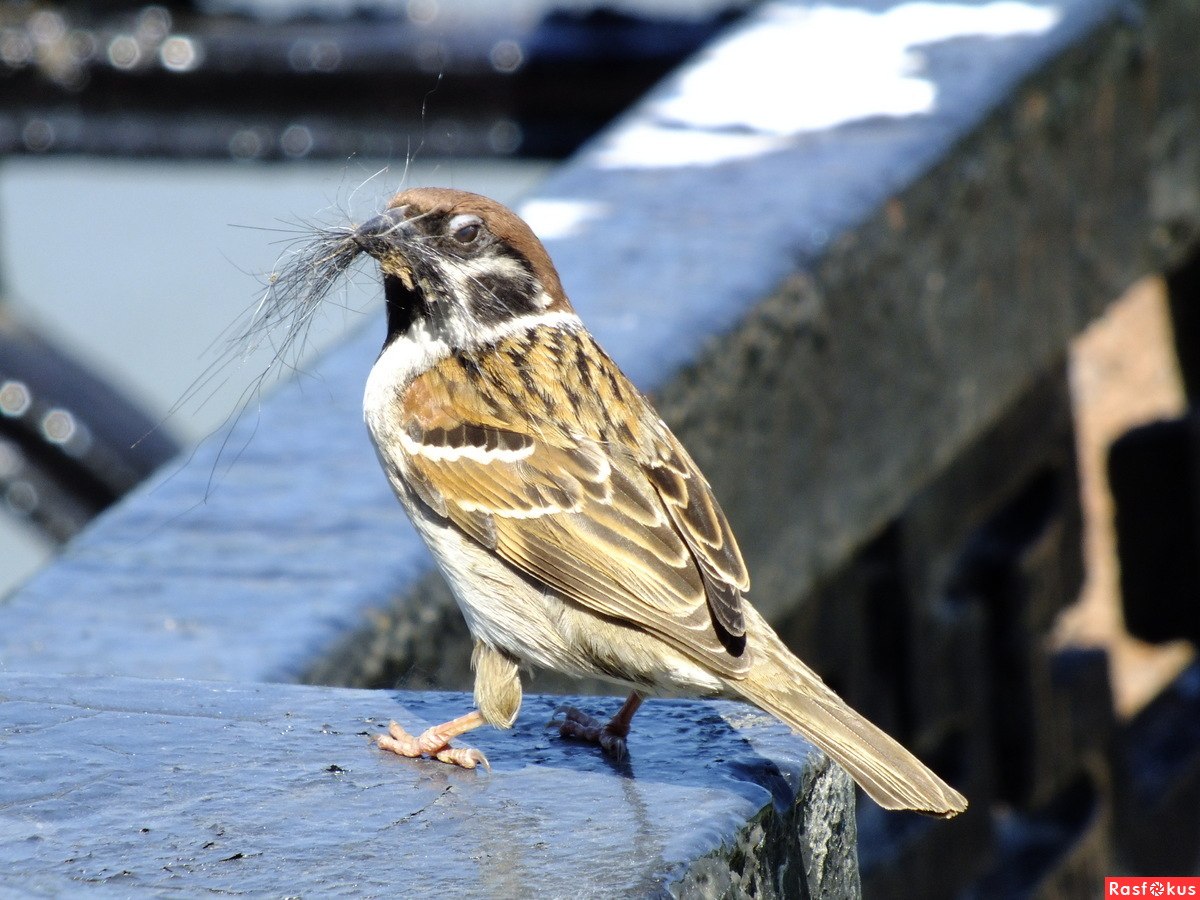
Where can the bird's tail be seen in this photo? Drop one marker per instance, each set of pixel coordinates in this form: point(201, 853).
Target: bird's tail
point(782, 685)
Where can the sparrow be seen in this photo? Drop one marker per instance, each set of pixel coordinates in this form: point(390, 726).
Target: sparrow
point(574, 529)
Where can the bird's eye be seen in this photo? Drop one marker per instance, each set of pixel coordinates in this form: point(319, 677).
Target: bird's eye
point(465, 229)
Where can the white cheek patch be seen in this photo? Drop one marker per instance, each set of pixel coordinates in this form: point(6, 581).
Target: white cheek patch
point(461, 271)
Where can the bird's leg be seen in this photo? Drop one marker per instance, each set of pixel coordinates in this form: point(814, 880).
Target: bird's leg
point(611, 737)
point(435, 742)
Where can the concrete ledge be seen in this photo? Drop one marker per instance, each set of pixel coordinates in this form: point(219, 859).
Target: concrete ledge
point(148, 787)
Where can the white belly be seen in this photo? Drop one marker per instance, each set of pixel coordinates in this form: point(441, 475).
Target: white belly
point(500, 607)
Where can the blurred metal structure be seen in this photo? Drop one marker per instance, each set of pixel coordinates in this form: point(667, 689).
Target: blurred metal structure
point(291, 81)
point(70, 445)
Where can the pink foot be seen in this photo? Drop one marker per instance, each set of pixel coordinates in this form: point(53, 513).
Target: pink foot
point(433, 742)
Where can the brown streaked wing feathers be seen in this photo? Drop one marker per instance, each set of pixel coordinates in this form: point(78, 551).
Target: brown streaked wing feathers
point(695, 512)
point(596, 526)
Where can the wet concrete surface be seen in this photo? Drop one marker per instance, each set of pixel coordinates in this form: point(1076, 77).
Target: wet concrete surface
point(152, 787)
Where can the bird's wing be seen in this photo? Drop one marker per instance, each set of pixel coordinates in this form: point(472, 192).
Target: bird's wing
point(689, 501)
point(629, 530)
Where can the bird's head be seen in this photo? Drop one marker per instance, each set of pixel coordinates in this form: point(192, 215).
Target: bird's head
point(459, 265)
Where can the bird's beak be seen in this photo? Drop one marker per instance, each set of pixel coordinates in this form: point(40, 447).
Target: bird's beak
point(382, 237)
point(380, 234)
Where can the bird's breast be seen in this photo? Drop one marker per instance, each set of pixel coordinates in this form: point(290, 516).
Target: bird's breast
point(404, 358)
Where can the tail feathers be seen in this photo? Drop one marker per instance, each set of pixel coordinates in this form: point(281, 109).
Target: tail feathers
point(890, 775)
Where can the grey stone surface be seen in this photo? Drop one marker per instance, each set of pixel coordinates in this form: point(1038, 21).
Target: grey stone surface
point(135, 787)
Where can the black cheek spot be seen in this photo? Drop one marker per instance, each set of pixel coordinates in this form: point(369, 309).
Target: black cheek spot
point(496, 299)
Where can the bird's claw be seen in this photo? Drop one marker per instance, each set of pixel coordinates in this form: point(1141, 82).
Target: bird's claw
point(579, 726)
point(432, 743)
point(466, 757)
point(570, 714)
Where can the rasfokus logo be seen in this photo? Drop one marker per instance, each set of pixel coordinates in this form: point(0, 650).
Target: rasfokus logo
point(1161, 886)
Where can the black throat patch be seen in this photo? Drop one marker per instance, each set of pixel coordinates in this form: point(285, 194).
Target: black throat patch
point(404, 307)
